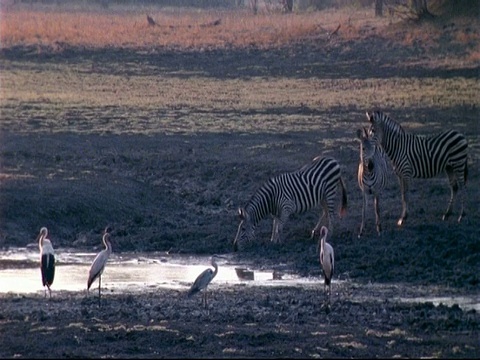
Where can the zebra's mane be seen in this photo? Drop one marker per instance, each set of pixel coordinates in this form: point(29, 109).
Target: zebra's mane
point(392, 125)
point(258, 206)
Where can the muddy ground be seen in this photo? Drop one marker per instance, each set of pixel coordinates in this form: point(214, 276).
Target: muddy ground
point(164, 145)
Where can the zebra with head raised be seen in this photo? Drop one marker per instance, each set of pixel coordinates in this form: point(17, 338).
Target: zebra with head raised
point(372, 174)
point(417, 156)
point(313, 185)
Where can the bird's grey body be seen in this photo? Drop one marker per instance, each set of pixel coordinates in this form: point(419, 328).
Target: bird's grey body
point(47, 259)
point(203, 280)
point(98, 264)
point(327, 260)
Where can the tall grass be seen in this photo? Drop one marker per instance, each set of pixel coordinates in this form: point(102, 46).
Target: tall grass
point(97, 28)
point(53, 26)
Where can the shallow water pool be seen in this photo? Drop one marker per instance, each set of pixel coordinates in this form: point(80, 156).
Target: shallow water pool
point(20, 273)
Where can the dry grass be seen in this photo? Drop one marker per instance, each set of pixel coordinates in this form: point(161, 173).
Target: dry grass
point(474, 57)
point(425, 35)
point(186, 29)
point(51, 27)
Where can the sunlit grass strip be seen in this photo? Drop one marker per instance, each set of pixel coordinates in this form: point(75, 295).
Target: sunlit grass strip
point(189, 29)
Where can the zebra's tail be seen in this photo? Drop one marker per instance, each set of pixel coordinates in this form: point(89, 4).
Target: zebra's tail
point(465, 171)
point(343, 208)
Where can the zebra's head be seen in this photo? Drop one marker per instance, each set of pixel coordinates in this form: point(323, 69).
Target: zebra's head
point(383, 128)
point(246, 229)
point(367, 145)
point(375, 132)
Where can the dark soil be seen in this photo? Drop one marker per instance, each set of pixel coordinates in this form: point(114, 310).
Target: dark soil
point(165, 181)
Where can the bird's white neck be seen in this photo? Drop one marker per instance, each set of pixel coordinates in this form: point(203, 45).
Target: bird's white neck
point(106, 242)
point(215, 266)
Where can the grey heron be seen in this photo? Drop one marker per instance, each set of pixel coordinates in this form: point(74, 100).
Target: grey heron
point(47, 260)
point(326, 260)
point(98, 264)
point(203, 280)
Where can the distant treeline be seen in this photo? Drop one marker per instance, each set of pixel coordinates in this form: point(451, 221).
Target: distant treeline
point(177, 3)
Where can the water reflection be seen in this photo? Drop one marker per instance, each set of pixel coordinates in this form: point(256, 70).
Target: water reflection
point(466, 303)
point(20, 273)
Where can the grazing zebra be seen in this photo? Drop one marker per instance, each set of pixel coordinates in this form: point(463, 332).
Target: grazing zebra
point(311, 186)
point(417, 156)
point(372, 174)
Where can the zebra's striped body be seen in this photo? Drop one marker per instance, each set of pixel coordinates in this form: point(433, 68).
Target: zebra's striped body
point(372, 175)
point(312, 186)
point(416, 156)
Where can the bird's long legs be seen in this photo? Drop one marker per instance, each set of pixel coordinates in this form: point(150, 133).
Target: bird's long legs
point(49, 292)
point(99, 289)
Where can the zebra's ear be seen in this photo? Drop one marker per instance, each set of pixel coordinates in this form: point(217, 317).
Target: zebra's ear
point(359, 134)
point(241, 213)
point(365, 132)
point(370, 116)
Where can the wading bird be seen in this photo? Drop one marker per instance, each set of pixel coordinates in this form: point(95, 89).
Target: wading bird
point(47, 260)
point(203, 280)
point(326, 260)
point(98, 264)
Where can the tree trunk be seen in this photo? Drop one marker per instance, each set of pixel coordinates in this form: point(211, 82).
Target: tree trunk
point(288, 5)
point(253, 6)
point(379, 8)
point(419, 7)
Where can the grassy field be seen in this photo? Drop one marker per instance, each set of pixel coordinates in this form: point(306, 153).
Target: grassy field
point(64, 72)
point(185, 29)
point(127, 27)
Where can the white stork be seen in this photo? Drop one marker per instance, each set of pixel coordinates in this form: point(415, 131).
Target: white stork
point(47, 260)
point(326, 260)
point(98, 264)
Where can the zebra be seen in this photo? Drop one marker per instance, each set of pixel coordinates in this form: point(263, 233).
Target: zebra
point(372, 174)
point(313, 185)
point(420, 156)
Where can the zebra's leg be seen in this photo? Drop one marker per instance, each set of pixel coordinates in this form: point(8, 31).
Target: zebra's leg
point(404, 191)
point(456, 182)
point(453, 191)
point(462, 188)
point(275, 230)
point(325, 214)
point(318, 226)
point(278, 227)
point(462, 184)
point(364, 204)
point(376, 202)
